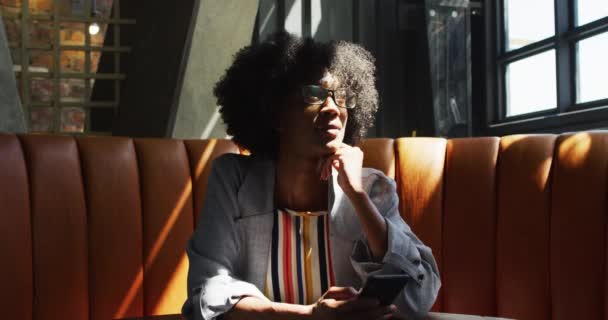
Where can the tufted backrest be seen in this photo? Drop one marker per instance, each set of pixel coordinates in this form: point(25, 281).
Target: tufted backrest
point(517, 224)
point(95, 227)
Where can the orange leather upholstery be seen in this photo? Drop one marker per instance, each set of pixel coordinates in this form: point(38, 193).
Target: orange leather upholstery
point(379, 153)
point(200, 154)
point(17, 292)
point(111, 181)
point(469, 226)
point(95, 227)
point(420, 175)
point(59, 228)
point(523, 226)
point(578, 227)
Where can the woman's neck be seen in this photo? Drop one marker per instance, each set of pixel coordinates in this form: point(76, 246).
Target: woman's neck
point(298, 185)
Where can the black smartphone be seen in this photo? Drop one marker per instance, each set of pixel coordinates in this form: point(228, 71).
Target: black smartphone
point(384, 287)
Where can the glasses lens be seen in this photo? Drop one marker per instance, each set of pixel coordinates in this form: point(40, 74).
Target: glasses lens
point(313, 94)
point(344, 98)
point(340, 97)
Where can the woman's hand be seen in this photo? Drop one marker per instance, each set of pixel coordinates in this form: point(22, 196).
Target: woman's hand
point(344, 303)
point(348, 161)
point(392, 314)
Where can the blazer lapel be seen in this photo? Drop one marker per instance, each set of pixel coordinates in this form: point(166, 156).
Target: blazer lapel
point(256, 204)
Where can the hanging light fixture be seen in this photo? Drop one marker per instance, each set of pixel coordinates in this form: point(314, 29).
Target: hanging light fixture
point(94, 27)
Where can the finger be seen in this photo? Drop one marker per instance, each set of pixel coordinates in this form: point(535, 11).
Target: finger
point(341, 290)
point(391, 312)
point(354, 154)
point(320, 165)
point(339, 165)
point(331, 160)
point(323, 168)
point(345, 149)
point(340, 293)
point(396, 314)
point(327, 169)
point(341, 151)
point(336, 164)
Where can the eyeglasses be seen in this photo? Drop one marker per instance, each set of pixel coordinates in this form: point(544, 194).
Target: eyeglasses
point(313, 94)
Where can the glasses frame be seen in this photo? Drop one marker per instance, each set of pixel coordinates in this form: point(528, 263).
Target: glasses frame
point(326, 93)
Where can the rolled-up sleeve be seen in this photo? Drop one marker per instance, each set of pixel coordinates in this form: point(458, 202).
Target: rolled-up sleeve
point(213, 250)
point(405, 254)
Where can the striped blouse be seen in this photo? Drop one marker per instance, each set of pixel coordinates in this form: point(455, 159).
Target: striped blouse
point(299, 269)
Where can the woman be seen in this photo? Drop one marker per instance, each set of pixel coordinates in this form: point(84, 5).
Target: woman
point(290, 231)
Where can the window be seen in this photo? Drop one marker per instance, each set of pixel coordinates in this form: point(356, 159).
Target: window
point(56, 47)
point(549, 65)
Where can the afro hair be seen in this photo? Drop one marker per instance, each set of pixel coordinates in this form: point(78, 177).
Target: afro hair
point(252, 92)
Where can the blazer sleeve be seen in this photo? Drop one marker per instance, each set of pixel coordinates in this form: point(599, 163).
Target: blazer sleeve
point(213, 250)
point(405, 254)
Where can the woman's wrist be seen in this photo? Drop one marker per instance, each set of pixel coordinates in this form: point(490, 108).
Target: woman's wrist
point(289, 311)
point(373, 223)
point(252, 308)
point(357, 196)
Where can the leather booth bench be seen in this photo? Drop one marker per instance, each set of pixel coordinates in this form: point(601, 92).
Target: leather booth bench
point(95, 227)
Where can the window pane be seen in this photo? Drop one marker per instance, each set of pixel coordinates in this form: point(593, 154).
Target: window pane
point(592, 68)
point(72, 90)
point(16, 57)
point(72, 8)
point(41, 34)
point(104, 8)
point(72, 61)
point(40, 6)
point(72, 34)
point(590, 10)
point(531, 84)
point(12, 28)
point(98, 38)
point(41, 119)
point(41, 90)
point(528, 21)
point(41, 61)
point(72, 119)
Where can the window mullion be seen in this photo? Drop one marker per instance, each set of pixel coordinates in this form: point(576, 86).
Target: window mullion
point(499, 50)
point(565, 58)
point(25, 61)
point(56, 127)
point(87, 62)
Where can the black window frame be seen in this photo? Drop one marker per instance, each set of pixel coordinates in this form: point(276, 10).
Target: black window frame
point(568, 114)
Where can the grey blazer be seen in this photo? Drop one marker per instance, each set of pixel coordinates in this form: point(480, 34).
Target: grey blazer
point(228, 251)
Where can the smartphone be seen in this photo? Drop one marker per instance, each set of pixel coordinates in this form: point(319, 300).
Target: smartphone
point(384, 287)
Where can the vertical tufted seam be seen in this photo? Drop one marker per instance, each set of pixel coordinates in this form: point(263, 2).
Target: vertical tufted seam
point(141, 205)
point(26, 157)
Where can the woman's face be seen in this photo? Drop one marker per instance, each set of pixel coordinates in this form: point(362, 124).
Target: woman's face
point(313, 129)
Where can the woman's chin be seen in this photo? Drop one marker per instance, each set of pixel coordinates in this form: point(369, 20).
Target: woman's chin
point(330, 147)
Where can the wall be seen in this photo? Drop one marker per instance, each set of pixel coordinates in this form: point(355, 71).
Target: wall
point(11, 113)
point(222, 27)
